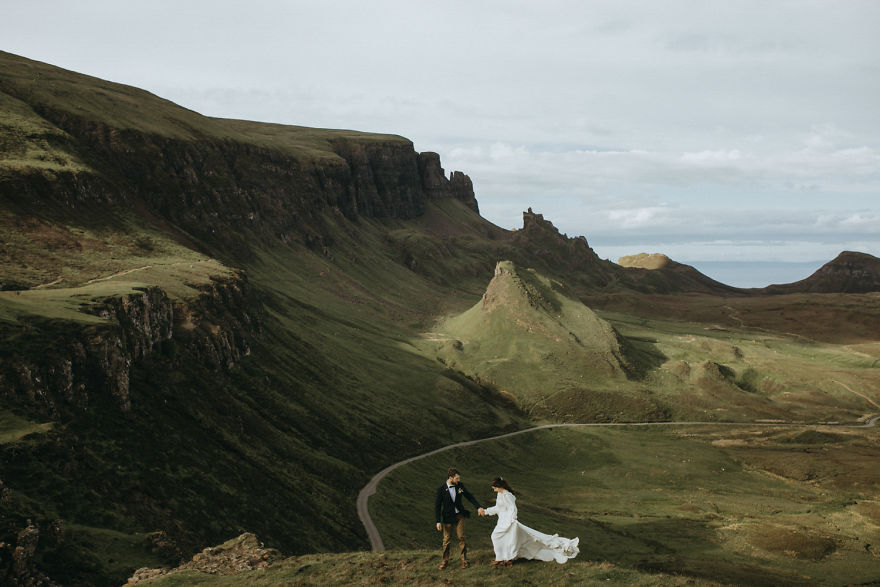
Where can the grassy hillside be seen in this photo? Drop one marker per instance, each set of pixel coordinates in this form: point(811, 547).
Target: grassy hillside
point(332, 390)
point(528, 337)
point(31, 89)
point(562, 361)
point(420, 568)
point(716, 503)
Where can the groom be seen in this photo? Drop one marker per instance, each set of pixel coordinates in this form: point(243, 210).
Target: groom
point(450, 514)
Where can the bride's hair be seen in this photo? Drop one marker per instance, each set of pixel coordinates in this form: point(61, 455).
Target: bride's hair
point(502, 483)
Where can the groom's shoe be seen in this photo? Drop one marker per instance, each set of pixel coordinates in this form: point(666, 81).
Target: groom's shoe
point(443, 565)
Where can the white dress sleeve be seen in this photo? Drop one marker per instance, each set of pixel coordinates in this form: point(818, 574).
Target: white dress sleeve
point(495, 509)
point(504, 508)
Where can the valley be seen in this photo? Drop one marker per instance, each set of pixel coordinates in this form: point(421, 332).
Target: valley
point(732, 504)
point(213, 328)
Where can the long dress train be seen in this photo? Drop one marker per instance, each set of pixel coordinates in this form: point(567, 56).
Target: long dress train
point(512, 539)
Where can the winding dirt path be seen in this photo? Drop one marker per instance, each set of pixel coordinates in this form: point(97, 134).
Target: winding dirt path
point(369, 489)
point(126, 272)
point(50, 284)
point(851, 390)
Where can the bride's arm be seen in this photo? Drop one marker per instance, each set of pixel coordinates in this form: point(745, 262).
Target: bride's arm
point(502, 504)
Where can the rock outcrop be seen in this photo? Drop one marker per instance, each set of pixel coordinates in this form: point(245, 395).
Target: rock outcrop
point(645, 261)
point(233, 557)
point(18, 566)
point(546, 249)
point(436, 185)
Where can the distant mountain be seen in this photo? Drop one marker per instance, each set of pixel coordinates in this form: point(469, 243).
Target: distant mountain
point(849, 272)
point(677, 276)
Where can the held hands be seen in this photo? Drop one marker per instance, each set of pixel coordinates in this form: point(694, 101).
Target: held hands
point(480, 511)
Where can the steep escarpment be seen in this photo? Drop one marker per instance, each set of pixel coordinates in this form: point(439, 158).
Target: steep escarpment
point(222, 183)
point(58, 369)
point(437, 186)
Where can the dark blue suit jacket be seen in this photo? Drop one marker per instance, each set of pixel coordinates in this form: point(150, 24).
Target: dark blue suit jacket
point(444, 507)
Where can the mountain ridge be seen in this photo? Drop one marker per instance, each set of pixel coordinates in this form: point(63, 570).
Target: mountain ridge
point(849, 272)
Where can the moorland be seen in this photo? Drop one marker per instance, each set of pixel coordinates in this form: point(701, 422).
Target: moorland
point(217, 328)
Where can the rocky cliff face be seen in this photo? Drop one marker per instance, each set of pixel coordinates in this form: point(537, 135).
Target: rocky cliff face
point(547, 248)
point(17, 565)
point(83, 366)
point(436, 185)
point(218, 190)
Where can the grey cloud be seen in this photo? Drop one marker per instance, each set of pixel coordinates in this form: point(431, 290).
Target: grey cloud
point(746, 118)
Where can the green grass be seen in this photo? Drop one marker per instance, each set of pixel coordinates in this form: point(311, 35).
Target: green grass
point(13, 427)
point(100, 553)
point(125, 108)
point(530, 338)
point(721, 504)
point(46, 252)
point(66, 267)
point(339, 383)
point(331, 388)
point(27, 141)
point(675, 369)
point(769, 375)
point(420, 568)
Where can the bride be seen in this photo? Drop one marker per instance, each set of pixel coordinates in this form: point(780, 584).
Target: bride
point(512, 539)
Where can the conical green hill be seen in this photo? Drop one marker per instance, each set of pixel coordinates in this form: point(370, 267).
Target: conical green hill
point(529, 338)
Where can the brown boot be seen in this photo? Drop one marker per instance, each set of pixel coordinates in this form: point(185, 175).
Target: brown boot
point(464, 564)
point(443, 565)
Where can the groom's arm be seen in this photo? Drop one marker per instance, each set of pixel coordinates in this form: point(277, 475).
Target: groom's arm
point(470, 497)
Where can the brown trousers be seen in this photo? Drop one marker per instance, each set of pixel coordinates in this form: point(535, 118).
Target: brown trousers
point(458, 528)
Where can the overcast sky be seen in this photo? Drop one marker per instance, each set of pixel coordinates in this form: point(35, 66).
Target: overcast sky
point(711, 131)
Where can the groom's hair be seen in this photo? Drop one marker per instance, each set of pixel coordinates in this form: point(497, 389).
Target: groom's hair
point(452, 472)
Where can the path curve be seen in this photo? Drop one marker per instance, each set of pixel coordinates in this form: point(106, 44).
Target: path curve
point(369, 489)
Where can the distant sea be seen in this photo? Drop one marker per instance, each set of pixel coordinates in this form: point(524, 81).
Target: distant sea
point(755, 273)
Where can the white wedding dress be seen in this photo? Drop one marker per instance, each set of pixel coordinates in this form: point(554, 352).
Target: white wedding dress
point(514, 540)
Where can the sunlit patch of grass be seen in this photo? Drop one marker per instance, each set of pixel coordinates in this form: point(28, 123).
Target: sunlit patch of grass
point(28, 142)
point(178, 278)
point(13, 427)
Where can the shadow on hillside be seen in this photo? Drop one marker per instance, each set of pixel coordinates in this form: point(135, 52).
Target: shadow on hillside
point(642, 356)
point(679, 546)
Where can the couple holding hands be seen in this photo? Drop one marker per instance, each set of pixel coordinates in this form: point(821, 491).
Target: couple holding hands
point(510, 539)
